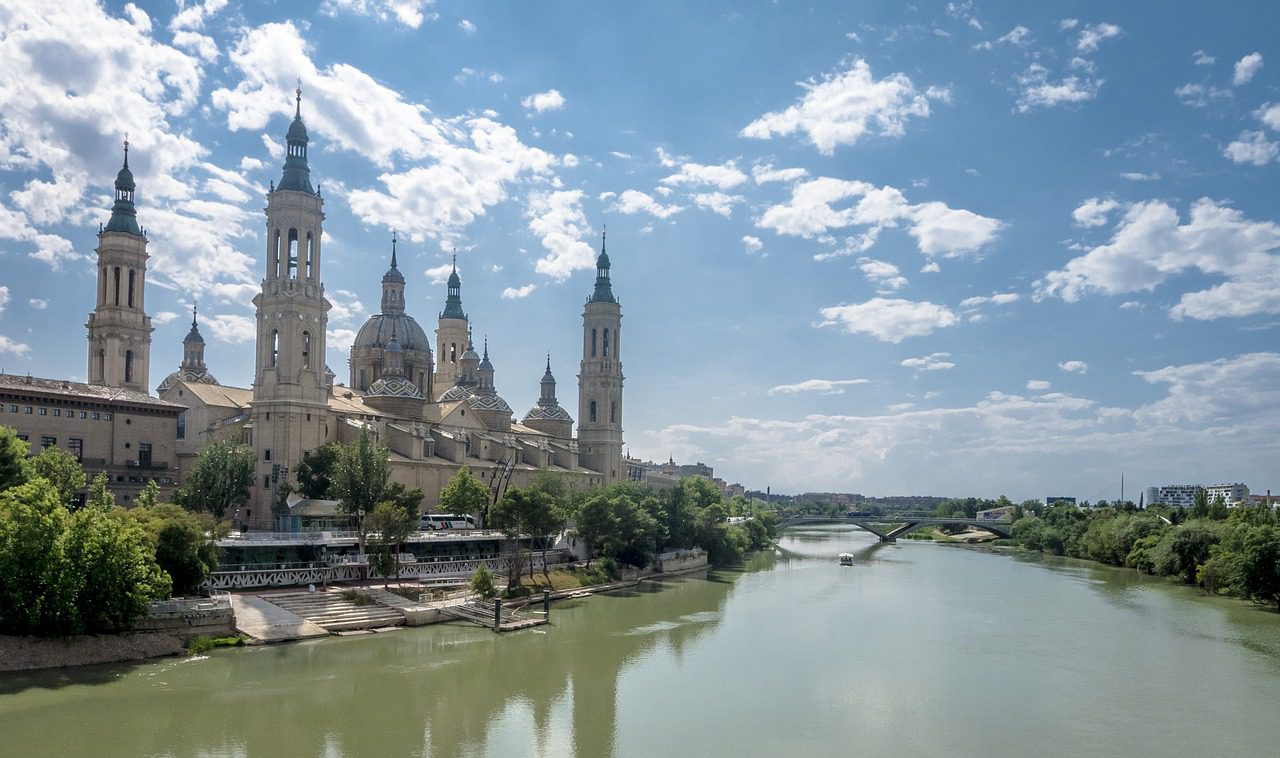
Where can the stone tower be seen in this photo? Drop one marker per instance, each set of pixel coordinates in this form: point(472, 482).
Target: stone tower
point(452, 335)
point(192, 368)
point(547, 416)
point(289, 411)
point(119, 328)
point(600, 379)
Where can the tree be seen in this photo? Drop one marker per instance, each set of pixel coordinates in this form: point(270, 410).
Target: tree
point(528, 512)
point(465, 494)
point(13, 457)
point(360, 480)
point(115, 571)
point(407, 500)
point(60, 469)
point(482, 582)
point(220, 479)
point(184, 543)
point(1260, 564)
point(36, 596)
point(99, 496)
point(391, 526)
point(315, 471)
point(149, 497)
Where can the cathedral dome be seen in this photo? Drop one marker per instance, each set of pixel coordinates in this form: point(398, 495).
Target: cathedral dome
point(380, 328)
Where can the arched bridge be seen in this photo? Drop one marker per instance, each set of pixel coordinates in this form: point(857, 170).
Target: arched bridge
point(892, 526)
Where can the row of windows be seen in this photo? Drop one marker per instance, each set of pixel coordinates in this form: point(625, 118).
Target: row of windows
point(306, 348)
point(115, 279)
point(56, 412)
point(613, 412)
point(605, 342)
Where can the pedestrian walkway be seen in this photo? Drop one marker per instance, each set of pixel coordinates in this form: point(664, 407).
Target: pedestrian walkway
point(264, 621)
point(335, 613)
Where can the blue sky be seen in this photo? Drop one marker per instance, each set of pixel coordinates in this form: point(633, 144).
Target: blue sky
point(951, 248)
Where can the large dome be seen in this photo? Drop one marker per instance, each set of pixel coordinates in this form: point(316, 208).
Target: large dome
point(380, 327)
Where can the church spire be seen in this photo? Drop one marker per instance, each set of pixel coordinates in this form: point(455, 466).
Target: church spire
point(604, 290)
point(297, 174)
point(453, 302)
point(393, 284)
point(124, 216)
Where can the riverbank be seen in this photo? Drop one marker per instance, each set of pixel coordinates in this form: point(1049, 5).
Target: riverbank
point(30, 653)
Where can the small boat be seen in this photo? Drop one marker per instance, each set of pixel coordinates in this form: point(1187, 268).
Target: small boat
point(846, 559)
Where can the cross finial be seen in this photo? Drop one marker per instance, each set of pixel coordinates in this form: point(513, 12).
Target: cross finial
point(298, 97)
point(548, 360)
point(393, 248)
point(126, 150)
point(455, 260)
point(195, 305)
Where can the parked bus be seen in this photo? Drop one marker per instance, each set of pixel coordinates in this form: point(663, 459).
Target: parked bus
point(435, 521)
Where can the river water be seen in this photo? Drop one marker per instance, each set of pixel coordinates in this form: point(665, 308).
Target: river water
point(917, 650)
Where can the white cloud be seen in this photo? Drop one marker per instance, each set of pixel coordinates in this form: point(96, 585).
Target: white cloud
point(725, 176)
point(4, 297)
point(1091, 36)
point(405, 12)
point(551, 100)
point(1246, 68)
point(1037, 91)
point(161, 318)
point(824, 386)
point(939, 230)
point(38, 303)
point(1068, 24)
point(340, 340)
point(1150, 245)
point(439, 274)
point(1038, 385)
point(13, 347)
point(883, 274)
point(1214, 391)
point(1074, 367)
point(1201, 95)
point(1253, 148)
point(1201, 58)
point(468, 26)
point(716, 202)
point(889, 319)
point(231, 328)
point(515, 293)
point(931, 362)
point(753, 244)
point(1019, 36)
point(1138, 176)
point(635, 201)
point(931, 267)
point(1269, 114)
point(763, 174)
point(844, 107)
point(346, 306)
point(558, 220)
point(1000, 298)
point(1093, 212)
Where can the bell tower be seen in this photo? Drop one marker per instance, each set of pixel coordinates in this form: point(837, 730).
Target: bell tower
point(119, 328)
point(289, 411)
point(600, 379)
point(453, 333)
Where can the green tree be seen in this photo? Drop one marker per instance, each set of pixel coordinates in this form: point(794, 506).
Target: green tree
point(465, 494)
point(360, 480)
point(184, 542)
point(220, 479)
point(1183, 548)
point(36, 595)
point(60, 469)
point(314, 472)
point(482, 582)
point(524, 512)
point(13, 458)
point(99, 496)
point(149, 497)
point(1260, 564)
point(407, 500)
point(390, 525)
point(115, 571)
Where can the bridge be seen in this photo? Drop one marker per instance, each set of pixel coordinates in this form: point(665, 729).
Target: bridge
point(890, 527)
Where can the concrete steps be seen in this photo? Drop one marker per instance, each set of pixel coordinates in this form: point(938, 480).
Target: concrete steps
point(334, 613)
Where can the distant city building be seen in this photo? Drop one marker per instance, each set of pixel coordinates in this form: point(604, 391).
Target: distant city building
point(1059, 499)
point(1231, 494)
point(1173, 495)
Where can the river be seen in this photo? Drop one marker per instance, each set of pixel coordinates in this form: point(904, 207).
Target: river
point(917, 650)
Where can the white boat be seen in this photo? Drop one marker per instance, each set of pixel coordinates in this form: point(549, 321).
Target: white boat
point(846, 559)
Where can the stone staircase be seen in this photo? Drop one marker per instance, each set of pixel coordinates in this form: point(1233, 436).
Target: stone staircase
point(334, 613)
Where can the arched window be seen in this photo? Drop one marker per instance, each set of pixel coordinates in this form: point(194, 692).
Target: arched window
point(592, 413)
point(364, 382)
point(606, 343)
point(105, 277)
point(128, 366)
point(132, 277)
point(275, 347)
point(102, 365)
point(116, 273)
point(613, 412)
point(306, 349)
point(453, 352)
point(311, 257)
point(293, 253)
point(593, 343)
point(273, 265)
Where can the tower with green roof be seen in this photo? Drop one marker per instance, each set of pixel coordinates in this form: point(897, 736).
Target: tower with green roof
point(119, 328)
point(452, 332)
point(600, 378)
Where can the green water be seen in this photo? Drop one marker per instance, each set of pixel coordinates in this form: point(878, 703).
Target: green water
point(918, 650)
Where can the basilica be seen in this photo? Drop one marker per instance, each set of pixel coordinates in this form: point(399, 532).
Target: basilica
point(436, 410)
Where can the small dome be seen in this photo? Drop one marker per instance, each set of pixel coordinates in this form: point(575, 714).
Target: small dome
point(186, 375)
point(381, 327)
point(393, 275)
point(454, 279)
point(457, 392)
point(394, 386)
point(548, 413)
point(124, 179)
point(490, 401)
point(297, 131)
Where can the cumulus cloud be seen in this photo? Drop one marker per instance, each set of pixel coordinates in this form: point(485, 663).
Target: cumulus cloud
point(1018, 36)
point(931, 362)
point(635, 201)
point(1074, 367)
point(38, 304)
point(13, 347)
point(1208, 392)
point(439, 274)
point(404, 12)
point(883, 274)
point(1269, 114)
point(1149, 245)
point(1037, 90)
point(4, 297)
point(515, 293)
point(1201, 95)
point(820, 205)
point(1093, 35)
point(1201, 58)
point(1252, 148)
point(844, 107)
point(1038, 385)
point(725, 176)
point(346, 306)
point(716, 202)
point(889, 319)
point(823, 386)
point(752, 244)
point(468, 26)
point(558, 220)
point(1246, 68)
point(340, 340)
point(1001, 298)
point(765, 173)
point(551, 100)
point(231, 328)
point(1093, 212)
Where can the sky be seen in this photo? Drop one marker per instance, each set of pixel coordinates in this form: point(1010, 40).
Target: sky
point(936, 249)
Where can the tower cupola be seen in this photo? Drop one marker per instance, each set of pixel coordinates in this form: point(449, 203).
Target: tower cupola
point(453, 302)
point(124, 216)
point(393, 285)
point(297, 174)
point(604, 290)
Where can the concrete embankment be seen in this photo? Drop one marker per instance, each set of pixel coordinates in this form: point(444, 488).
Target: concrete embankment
point(27, 653)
